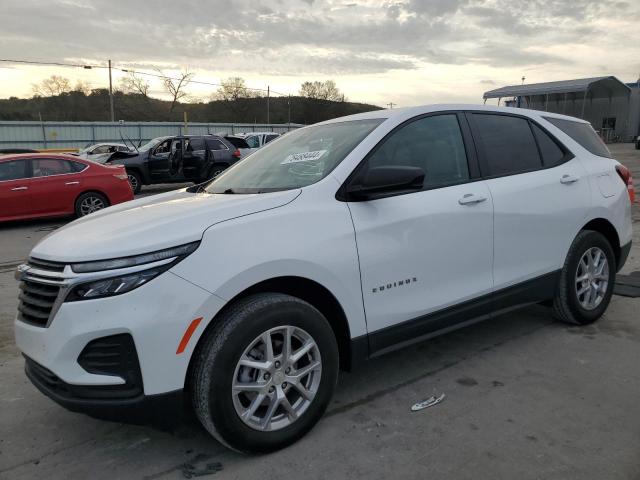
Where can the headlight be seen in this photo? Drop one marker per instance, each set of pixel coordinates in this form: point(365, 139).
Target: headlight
point(124, 262)
point(107, 287)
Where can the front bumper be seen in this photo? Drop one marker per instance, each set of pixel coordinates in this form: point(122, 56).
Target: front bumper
point(155, 315)
point(107, 402)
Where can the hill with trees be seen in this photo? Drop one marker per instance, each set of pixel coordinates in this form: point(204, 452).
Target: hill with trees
point(55, 99)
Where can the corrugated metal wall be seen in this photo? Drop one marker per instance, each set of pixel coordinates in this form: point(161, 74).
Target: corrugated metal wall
point(39, 135)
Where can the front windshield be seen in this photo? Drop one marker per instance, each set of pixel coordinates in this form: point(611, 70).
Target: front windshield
point(151, 143)
point(295, 160)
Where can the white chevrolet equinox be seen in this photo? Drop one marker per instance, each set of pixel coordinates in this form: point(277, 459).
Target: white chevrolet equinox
point(335, 243)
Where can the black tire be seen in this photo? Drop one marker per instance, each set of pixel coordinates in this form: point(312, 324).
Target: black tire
point(219, 352)
point(566, 304)
point(135, 181)
point(84, 201)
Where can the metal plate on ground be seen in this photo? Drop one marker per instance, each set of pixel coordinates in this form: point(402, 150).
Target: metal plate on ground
point(627, 285)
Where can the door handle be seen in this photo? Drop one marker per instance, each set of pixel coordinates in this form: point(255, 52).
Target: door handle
point(568, 179)
point(72, 183)
point(15, 189)
point(471, 199)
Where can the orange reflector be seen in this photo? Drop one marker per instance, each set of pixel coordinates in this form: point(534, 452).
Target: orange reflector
point(187, 335)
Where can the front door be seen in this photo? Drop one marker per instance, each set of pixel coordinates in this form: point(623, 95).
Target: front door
point(159, 159)
point(423, 252)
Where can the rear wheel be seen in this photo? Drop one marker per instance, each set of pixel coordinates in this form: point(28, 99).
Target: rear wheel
point(265, 374)
point(586, 281)
point(134, 180)
point(90, 202)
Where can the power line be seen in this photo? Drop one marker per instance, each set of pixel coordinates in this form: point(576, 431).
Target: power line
point(58, 64)
point(136, 72)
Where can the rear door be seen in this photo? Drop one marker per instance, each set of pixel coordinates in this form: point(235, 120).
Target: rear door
point(55, 186)
point(540, 198)
point(15, 193)
point(194, 159)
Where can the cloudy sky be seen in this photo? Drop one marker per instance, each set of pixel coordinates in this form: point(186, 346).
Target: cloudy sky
point(407, 52)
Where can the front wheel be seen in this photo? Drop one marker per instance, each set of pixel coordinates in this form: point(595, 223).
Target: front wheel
point(135, 181)
point(586, 281)
point(265, 373)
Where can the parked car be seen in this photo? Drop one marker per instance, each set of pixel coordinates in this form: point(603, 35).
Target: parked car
point(102, 152)
point(340, 242)
point(52, 185)
point(163, 160)
point(258, 139)
point(241, 144)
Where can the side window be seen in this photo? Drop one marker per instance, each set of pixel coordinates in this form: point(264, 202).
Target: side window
point(215, 144)
point(13, 170)
point(268, 138)
point(584, 134)
point(164, 147)
point(45, 167)
point(253, 141)
point(551, 152)
point(195, 143)
point(509, 146)
point(432, 143)
point(78, 167)
point(100, 149)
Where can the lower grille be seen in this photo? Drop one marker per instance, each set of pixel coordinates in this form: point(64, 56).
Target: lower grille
point(53, 385)
point(36, 302)
point(113, 355)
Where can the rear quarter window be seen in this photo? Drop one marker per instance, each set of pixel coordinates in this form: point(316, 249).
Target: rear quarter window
point(582, 133)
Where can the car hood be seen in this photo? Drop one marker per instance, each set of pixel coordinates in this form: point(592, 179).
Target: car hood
point(151, 223)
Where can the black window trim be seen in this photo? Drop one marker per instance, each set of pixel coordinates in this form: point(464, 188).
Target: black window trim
point(469, 147)
point(482, 161)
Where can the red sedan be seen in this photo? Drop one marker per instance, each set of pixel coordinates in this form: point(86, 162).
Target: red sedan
point(50, 185)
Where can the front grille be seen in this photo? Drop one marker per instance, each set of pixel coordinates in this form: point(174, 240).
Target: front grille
point(36, 302)
point(45, 265)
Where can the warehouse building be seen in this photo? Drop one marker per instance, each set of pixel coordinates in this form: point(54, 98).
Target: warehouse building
point(611, 106)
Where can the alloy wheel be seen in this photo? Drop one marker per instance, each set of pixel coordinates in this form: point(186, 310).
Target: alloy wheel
point(91, 204)
point(276, 378)
point(592, 278)
point(133, 181)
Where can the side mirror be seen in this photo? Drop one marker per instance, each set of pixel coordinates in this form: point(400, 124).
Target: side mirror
point(382, 181)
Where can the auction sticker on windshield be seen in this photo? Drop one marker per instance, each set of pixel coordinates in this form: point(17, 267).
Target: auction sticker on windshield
point(303, 157)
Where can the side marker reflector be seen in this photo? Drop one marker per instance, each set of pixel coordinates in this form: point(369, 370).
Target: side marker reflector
point(187, 335)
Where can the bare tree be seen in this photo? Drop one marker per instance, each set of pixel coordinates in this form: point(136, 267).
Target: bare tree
point(134, 83)
point(176, 86)
point(82, 86)
point(49, 87)
point(234, 88)
point(326, 90)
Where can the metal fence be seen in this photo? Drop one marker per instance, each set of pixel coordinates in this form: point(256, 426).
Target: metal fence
point(53, 135)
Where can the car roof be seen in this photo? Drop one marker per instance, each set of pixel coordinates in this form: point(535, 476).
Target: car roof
point(409, 112)
point(61, 156)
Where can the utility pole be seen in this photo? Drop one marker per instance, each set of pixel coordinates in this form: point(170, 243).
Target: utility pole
point(289, 110)
point(113, 118)
point(268, 92)
point(391, 105)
